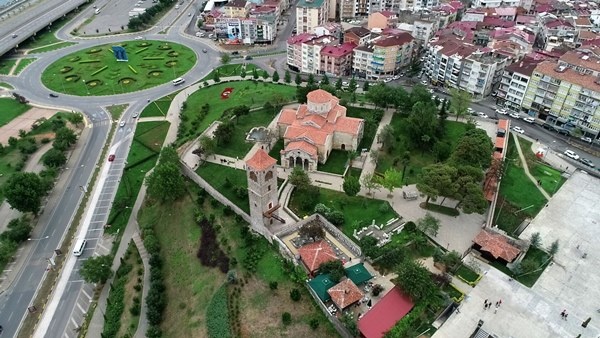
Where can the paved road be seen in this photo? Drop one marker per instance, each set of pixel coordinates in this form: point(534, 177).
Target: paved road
point(30, 21)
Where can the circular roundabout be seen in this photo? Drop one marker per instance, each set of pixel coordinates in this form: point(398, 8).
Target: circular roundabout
point(118, 68)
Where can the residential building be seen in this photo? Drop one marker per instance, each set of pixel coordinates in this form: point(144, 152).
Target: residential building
point(354, 8)
point(330, 28)
point(310, 14)
point(243, 30)
point(384, 55)
point(337, 60)
point(357, 35)
point(567, 92)
point(514, 83)
point(294, 50)
point(381, 20)
point(423, 31)
point(495, 3)
point(235, 9)
point(313, 129)
point(308, 53)
point(554, 32)
point(481, 71)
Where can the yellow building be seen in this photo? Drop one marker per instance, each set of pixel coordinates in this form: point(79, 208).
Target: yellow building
point(235, 9)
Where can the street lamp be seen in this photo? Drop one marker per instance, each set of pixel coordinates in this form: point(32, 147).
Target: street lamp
point(37, 239)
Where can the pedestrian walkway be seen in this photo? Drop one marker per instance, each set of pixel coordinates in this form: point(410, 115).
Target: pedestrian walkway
point(369, 164)
point(526, 167)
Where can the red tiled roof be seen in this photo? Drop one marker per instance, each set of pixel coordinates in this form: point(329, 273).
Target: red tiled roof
point(302, 146)
point(503, 124)
point(316, 253)
point(315, 135)
point(319, 96)
point(360, 32)
point(300, 38)
point(260, 160)
point(287, 116)
point(339, 50)
point(387, 14)
point(558, 23)
point(345, 293)
point(499, 142)
point(451, 46)
point(395, 40)
point(497, 22)
point(497, 245)
point(382, 317)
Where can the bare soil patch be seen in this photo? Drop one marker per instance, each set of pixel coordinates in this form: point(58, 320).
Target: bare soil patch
point(24, 121)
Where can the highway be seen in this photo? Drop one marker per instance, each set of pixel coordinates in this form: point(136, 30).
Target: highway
point(26, 23)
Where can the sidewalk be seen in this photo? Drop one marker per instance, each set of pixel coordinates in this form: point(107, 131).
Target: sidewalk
point(526, 167)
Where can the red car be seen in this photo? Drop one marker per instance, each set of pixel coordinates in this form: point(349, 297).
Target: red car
point(111, 157)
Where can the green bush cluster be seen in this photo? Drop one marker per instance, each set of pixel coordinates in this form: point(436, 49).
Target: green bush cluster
point(217, 315)
point(116, 302)
point(18, 232)
point(336, 217)
point(234, 311)
point(155, 300)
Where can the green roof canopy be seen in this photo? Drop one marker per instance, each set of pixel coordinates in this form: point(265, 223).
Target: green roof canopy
point(320, 285)
point(358, 273)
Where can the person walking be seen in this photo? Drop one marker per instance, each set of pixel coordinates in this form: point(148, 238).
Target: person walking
point(563, 313)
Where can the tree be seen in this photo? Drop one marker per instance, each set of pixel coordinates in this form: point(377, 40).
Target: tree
point(405, 161)
point(460, 100)
point(366, 86)
point(299, 178)
point(295, 294)
point(415, 280)
point(286, 318)
point(298, 79)
point(254, 74)
point(18, 231)
point(76, 118)
point(287, 78)
point(223, 133)
point(96, 269)
point(437, 180)
point(24, 191)
point(208, 145)
point(311, 79)
point(66, 136)
point(243, 73)
point(391, 179)
point(324, 80)
point(54, 158)
point(312, 230)
point(265, 74)
point(225, 58)
point(351, 185)
point(471, 199)
point(374, 155)
point(370, 183)
point(379, 95)
point(429, 225)
point(422, 125)
point(535, 240)
point(338, 84)
point(387, 137)
point(165, 183)
point(335, 270)
point(275, 76)
point(553, 249)
point(473, 149)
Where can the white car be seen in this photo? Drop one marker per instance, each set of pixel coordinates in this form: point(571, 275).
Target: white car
point(135, 115)
point(386, 80)
point(586, 139)
point(571, 154)
point(122, 124)
point(518, 129)
point(424, 82)
point(345, 84)
point(396, 77)
point(200, 34)
point(482, 115)
point(514, 115)
point(501, 111)
point(139, 38)
point(529, 119)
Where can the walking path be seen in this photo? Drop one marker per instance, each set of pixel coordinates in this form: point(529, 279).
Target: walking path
point(526, 167)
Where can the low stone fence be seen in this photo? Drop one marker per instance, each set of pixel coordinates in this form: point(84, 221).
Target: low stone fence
point(212, 191)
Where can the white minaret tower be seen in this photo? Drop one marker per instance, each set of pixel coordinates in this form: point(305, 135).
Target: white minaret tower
point(262, 192)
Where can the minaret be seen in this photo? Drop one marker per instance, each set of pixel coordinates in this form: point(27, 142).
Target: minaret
point(262, 191)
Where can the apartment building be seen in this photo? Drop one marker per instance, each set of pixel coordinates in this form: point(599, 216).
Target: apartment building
point(481, 71)
point(357, 35)
point(310, 14)
point(248, 31)
point(382, 20)
point(423, 31)
point(235, 9)
point(336, 60)
point(495, 3)
point(567, 92)
point(294, 50)
point(513, 85)
point(555, 32)
point(385, 55)
point(354, 8)
point(308, 53)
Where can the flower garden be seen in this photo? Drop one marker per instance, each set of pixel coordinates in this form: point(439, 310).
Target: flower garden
point(96, 71)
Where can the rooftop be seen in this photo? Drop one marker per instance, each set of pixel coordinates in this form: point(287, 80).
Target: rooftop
point(310, 3)
point(339, 50)
point(587, 57)
point(316, 253)
point(300, 38)
point(497, 245)
point(320, 284)
point(394, 40)
point(319, 96)
point(524, 67)
point(261, 160)
point(451, 46)
point(382, 317)
point(358, 273)
point(361, 32)
point(345, 293)
point(568, 75)
point(236, 3)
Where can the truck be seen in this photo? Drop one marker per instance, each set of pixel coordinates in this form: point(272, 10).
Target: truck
point(137, 11)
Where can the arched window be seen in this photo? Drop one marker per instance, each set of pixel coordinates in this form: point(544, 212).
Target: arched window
point(269, 175)
point(253, 176)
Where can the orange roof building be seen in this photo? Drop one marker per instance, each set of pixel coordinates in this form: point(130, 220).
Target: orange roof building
point(316, 253)
point(345, 293)
point(313, 129)
point(496, 246)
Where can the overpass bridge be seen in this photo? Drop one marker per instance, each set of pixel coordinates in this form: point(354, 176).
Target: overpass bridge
point(24, 21)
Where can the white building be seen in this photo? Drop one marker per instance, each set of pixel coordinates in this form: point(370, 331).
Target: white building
point(423, 31)
point(495, 3)
point(514, 84)
point(311, 14)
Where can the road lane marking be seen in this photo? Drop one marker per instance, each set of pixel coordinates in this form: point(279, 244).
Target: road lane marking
point(86, 294)
point(80, 308)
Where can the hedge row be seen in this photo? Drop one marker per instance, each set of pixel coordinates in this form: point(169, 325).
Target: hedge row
point(116, 302)
point(155, 300)
point(99, 70)
point(132, 69)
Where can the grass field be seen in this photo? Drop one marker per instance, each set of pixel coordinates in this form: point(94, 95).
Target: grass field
point(466, 273)
point(234, 70)
point(23, 63)
point(226, 180)
point(237, 146)
point(418, 159)
point(551, 179)
point(10, 109)
point(357, 210)
point(95, 70)
point(116, 110)
point(190, 286)
point(6, 65)
point(6, 85)
point(52, 47)
point(143, 154)
point(336, 162)
point(249, 93)
point(159, 107)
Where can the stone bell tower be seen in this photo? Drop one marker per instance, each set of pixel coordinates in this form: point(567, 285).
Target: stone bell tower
point(262, 192)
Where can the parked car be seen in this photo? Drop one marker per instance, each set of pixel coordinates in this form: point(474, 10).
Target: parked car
point(501, 111)
point(587, 162)
point(571, 154)
point(386, 80)
point(248, 57)
point(514, 115)
point(482, 115)
point(200, 34)
point(529, 120)
point(53, 95)
point(345, 84)
point(235, 53)
point(586, 139)
point(396, 77)
point(14, 36)
point(111, 157)
point(518, 129)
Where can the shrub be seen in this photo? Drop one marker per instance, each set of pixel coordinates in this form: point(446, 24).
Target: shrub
point(314, 323)
point(410, 226)
point(295, 294)
point(286, 318)
point(273, 285)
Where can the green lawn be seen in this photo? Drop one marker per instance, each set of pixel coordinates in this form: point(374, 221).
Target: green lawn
point(22, 64)
point(550, 178)
point(418, 159)
point(226, 180)
point(52, 47)
point(357, 210)
point(95, 70)
point(6, 85)
point(46, 126)
point(142, 157)
point(336, 162)
point(527, 279)
point(159, 107)
point(237, 146)
point(11, 108)
point(234, 70)
point(354, 172)
point(116, 110)
point(6, 65)
point(276, 150)
point(249, 93)
point(467, 274)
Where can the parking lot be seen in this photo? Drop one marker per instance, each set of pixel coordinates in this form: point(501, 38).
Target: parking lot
point(113, 16)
